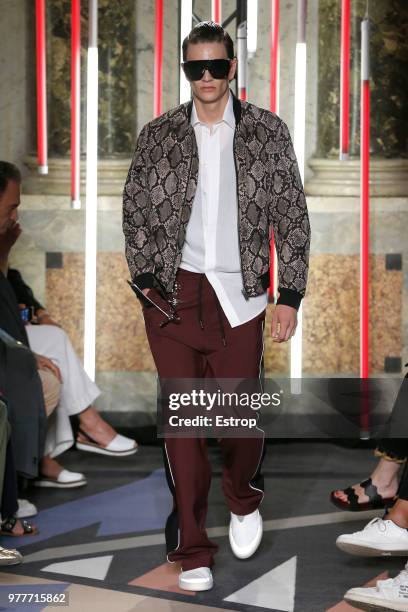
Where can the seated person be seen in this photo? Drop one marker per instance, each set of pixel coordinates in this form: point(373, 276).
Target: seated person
point(382, 537)
point(77, 390)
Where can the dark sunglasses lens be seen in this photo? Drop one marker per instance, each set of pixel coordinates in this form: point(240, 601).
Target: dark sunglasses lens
point(219, 68)
point(194, 70)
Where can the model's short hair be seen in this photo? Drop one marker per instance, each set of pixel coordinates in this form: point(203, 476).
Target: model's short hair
point(208, 31)
point(8, 172)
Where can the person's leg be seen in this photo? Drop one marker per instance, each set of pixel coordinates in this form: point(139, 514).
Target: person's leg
point(78, 392)
point(392, 452)
point(241, 358)
point(9, 503)
point(51, 390)
point(49, 467)
point(398, 514)
point(186, 462)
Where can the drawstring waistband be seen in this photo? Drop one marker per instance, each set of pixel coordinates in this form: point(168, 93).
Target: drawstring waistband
point(220, 320)
point(200, 301)
point(200, 309)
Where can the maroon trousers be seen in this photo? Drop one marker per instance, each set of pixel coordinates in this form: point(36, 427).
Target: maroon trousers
point(212, 348)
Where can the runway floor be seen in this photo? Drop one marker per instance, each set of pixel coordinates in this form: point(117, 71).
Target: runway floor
point(103, 545)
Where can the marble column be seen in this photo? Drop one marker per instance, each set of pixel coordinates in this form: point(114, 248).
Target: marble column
point(389, 92)
point(117, 82)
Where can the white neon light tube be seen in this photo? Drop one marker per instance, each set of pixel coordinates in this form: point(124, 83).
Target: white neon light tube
point(296, 346)
point(252, 25)
point(91, 191)
point(186, 17)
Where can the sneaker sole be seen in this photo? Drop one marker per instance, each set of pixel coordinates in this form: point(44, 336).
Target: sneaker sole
point(371, 605)
point(89, 448)
point(4, 562)
point(195, 586)
point(359, 550)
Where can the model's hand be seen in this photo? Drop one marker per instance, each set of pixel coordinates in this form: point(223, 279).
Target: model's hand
point(43, 363)
point(284, 321)
point(146, 291)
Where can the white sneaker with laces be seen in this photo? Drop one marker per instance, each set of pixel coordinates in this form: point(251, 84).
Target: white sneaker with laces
point(245, 534)
point(378, 538)
point(199, 579)
point(391, 594)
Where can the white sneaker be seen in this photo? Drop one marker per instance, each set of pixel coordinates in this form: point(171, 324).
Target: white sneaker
point(199, 579)
point(25, 509)
point(391, 594)
point(245, 534)
point(10, 556)
point(379, 537)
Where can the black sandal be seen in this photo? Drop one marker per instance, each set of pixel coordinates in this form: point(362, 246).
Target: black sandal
point(376, 501)
point(8, 525)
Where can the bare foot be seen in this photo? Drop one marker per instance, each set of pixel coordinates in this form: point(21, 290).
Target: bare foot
point(384, 477)
point(18, 529)
point(94, 425)
point(50, 468)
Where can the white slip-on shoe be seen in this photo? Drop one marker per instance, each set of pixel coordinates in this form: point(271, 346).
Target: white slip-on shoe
point(245, 534)
point(65, 480)
point(378, 538)
point(10, 556)
point(199, 579)
point(120, 446)
point(391, 594)
point(25, 509)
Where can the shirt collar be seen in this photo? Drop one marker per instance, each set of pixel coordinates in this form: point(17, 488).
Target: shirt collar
point(228, 115)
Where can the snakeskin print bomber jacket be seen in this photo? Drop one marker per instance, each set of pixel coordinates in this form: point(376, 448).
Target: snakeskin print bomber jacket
point(159, 193)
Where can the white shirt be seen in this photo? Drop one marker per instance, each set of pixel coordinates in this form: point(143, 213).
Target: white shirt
point(212, 245)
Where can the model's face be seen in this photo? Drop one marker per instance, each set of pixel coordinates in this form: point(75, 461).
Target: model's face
point(9, 203)
point(208, 89)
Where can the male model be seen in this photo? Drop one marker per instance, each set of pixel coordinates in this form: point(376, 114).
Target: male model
point(208, 181)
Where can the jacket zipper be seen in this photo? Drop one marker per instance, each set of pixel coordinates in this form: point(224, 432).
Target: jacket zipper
point(238, 216)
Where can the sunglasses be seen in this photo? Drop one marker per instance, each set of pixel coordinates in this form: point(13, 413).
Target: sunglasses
point(218, 68)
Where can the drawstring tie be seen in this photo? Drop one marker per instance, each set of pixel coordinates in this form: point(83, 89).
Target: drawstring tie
point(218, 307)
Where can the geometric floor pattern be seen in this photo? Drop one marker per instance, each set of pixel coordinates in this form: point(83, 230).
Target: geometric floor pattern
point(102, 546)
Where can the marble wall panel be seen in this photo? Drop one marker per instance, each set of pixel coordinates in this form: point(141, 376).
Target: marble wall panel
point(121, 340)
point(16, 83)
point(331, 315)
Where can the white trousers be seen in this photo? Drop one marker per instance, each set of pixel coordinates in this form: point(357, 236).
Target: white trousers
point(77, 390)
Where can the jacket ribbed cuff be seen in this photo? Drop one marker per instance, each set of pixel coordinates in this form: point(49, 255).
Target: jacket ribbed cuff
point(289, 297)
point(144, 280)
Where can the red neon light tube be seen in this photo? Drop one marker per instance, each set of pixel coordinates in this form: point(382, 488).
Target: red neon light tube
point(274, 56)
point(274, 81)
point(75, 100)
point(158, 58)
point(345, 79)
point(365, 219)
point(42, 144)
point(365, 195)
point(216, 11)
